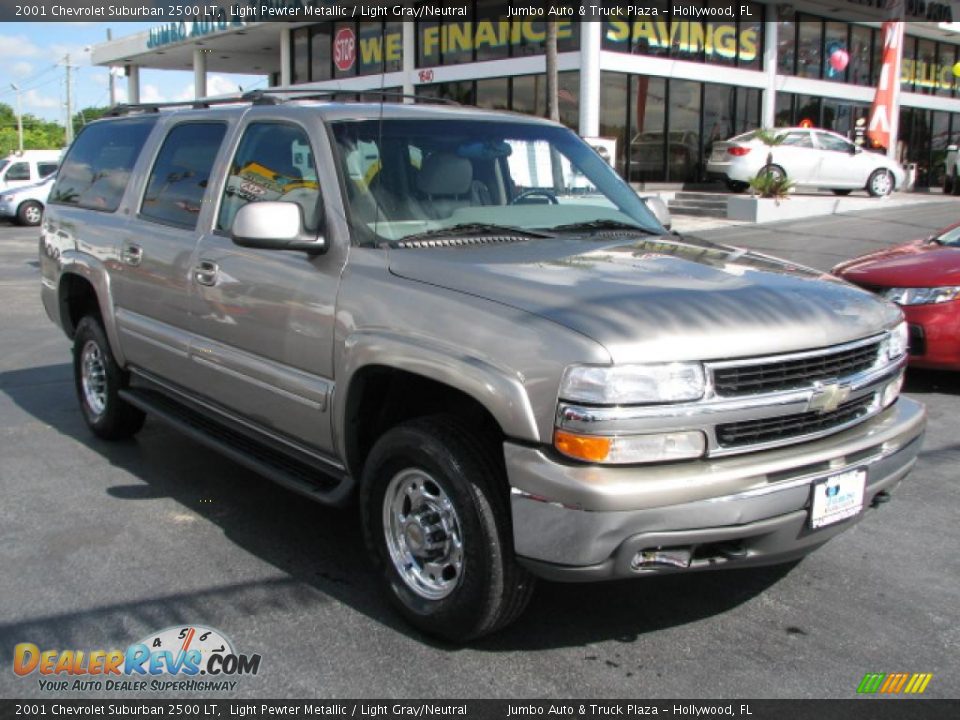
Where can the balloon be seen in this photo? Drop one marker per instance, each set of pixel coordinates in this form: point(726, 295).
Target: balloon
point(956, 70)
point(839, 60)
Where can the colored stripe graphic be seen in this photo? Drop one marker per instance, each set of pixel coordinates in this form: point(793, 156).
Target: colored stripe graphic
point(894, 683)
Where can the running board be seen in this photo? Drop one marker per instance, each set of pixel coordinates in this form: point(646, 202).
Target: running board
point(295, 471)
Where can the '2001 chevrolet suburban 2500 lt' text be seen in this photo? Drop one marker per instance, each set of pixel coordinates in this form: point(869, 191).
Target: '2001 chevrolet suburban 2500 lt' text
point(470, 323)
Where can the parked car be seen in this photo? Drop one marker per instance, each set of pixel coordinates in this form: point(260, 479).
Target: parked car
point(923, 278)
point(27, 167)
point(24, 205)
point(515, 374)
point(810, 158)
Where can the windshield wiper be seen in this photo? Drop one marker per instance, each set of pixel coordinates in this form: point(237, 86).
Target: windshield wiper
point(603, 225)
point(475, 229)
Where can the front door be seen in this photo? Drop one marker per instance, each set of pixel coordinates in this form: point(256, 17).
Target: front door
point(263, 320)
point(798, 157)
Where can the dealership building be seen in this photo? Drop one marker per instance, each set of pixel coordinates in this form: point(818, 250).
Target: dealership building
point(664, 90)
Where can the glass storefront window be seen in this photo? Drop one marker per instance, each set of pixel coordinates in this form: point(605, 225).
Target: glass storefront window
point(783, 110)
point(925, 71)
point(861, 44)
point(490, 13)
point(946, 57)
point(320, 48)
point(940, 138)
point(787, 47)
point(683, 132)
point(529, 95)
point(908, 64)
point(719, 112)
point(494, 94)
point(834, 45)
point(748, 110)
point(613, 113)
point(300, 51)
point(809, 47)
point(808, 108)
point(645, 152)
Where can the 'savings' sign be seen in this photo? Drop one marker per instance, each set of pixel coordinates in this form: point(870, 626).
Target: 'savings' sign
point(724, 40)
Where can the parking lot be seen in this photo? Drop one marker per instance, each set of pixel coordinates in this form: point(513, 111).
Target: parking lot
point(101, 544)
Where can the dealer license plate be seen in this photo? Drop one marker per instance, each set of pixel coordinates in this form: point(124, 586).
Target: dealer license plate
point(838, 497)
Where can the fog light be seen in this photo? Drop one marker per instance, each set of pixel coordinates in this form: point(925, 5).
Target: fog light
point(629, 449)
point(892, 391)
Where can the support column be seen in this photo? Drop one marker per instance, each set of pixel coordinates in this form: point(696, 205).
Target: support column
point(768, 115)
point(133, 84)
point(199, 73)
point(286, 61)
point(409, 56)
point(591, 42)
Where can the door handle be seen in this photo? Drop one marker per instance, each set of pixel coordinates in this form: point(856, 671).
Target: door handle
point(205, 273)
point(132, 254)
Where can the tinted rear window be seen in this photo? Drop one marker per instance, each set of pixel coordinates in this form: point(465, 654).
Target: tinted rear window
point(180, 174)
point(97, 168)
point(45, 168)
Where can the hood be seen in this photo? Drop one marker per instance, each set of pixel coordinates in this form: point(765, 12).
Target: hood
point(657, 299)
point(916, 264)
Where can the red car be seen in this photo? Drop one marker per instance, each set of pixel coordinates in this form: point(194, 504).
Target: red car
point(923, 278)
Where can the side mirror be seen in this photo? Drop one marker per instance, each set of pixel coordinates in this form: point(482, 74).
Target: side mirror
point(274, 225)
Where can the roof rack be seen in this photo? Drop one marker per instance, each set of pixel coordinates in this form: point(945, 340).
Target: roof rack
point(269, 96)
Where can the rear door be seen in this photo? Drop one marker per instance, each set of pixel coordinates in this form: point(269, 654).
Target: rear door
point(263, 320)
point(152, 284)
point(17, 174)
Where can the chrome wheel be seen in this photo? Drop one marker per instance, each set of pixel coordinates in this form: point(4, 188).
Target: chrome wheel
point(93, 378)
point(881, 184)
point(423, 534)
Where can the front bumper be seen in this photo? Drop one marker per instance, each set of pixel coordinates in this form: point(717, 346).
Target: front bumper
point(584, 522)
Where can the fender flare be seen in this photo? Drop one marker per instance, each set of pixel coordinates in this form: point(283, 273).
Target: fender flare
point(91, 269)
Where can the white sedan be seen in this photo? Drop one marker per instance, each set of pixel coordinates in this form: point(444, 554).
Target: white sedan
point(810, 158)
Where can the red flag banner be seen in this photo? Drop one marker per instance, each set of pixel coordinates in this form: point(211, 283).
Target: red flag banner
point(881, 114)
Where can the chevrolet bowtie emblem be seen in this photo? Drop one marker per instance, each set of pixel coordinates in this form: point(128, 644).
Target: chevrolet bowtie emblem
point(827, 397)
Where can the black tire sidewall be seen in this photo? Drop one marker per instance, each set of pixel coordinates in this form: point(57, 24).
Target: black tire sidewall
point(22, 213)
point(459, 613)
point(89, 329)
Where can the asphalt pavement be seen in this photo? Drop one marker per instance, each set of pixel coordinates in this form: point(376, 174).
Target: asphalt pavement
point(102, 544)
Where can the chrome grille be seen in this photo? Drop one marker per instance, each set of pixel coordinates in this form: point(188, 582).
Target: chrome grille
point(756, 432)
point(781, 374)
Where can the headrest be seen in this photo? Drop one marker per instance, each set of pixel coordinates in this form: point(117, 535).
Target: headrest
point(445, 174)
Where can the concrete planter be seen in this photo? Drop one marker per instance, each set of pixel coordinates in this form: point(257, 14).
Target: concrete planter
point(764, 210)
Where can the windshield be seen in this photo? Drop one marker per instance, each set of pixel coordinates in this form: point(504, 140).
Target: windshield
point(950, 237)
point(412, 177)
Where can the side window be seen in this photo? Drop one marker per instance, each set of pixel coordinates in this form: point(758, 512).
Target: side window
point(829, 142)
point(273, 162)
point(97, 168)
point(798, 139)
point(181, 172)
point(45, 168)
point(19, 171)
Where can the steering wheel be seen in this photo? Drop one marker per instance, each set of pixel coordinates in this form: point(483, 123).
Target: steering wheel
point(548, 194)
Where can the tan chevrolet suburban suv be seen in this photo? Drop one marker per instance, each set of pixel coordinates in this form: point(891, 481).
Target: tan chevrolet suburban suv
point(468, 322)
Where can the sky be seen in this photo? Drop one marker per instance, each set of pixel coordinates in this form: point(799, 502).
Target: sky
point(32, 56)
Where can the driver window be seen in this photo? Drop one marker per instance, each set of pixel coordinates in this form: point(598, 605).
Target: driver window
point(273, 162)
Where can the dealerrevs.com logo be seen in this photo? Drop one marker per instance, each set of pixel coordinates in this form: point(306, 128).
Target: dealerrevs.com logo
point(191, 658)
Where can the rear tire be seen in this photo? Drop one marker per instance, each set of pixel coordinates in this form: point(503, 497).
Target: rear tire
point(30, 213)
point(880, 183)
point(774, 170)
point(436, 521)
point(98, 381)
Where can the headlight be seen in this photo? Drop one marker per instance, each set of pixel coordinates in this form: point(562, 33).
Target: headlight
point(922, 296)
point(6, 198)
point(633, 384)
point(897, 342)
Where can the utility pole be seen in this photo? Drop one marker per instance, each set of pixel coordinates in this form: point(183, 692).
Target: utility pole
point(19, 116)
point(69, 102)
point(113, 86)
point(553, 100)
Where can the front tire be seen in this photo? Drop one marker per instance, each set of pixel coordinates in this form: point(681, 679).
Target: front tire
point(30, 213)
point(98, 381)
point(880, 183)
point(436, 521)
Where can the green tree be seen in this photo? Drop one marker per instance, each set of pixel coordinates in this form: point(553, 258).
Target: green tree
point(38, 134)
point(86, 115)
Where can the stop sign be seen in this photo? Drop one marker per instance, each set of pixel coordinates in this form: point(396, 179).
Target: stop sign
point(344, 48)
